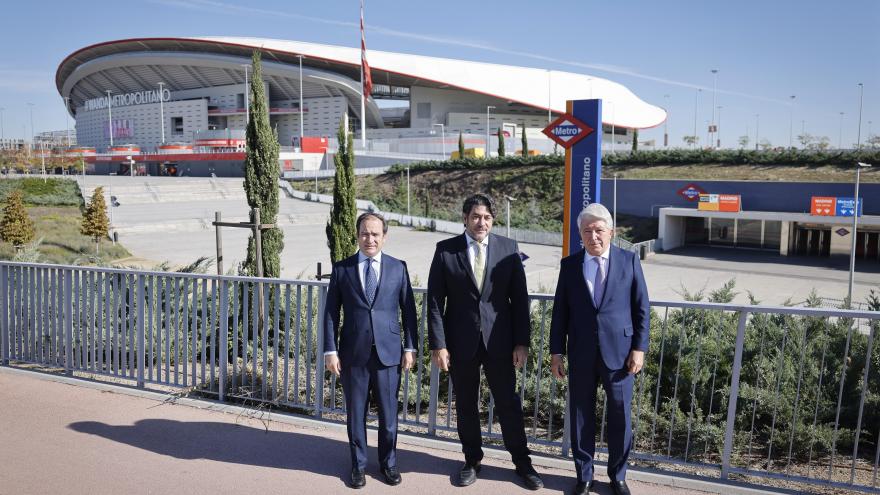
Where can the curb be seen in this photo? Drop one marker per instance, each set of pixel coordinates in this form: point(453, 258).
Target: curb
point(643, 475)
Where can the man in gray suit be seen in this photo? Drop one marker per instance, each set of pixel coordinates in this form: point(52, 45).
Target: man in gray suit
point(479, 318)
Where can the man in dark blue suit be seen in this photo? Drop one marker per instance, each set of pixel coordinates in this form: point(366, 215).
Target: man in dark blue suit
point(601, 316)
point(374, 292)
point(478, 308)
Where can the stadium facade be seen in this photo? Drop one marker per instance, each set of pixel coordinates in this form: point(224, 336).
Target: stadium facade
point(190, 93)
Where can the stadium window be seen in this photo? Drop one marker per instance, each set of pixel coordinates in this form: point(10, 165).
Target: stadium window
point(177, 125)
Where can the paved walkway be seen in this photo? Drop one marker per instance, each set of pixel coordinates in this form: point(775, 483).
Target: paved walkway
point(65, 436)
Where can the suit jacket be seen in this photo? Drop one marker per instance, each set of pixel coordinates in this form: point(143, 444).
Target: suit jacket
point(621, 322)
point(364, 324)
point(458, 311)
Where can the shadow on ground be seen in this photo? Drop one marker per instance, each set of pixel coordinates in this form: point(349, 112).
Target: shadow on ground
point(312, 453)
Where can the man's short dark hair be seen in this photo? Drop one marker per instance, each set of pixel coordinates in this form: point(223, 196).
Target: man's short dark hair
point(370, 214)
point(475, 200)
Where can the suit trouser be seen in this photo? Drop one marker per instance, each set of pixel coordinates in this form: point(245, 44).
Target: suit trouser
point(502, 384)
point(357, 383)
point(618, 384)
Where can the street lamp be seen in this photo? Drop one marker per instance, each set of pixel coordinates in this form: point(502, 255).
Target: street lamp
point(549, 96)
point(442, 137)
point(31, 108)
point(614, 207)
point(840, 133)
point(859, 134)
point(666, 123)
point(790, 121)
point(488, 107)
point(110, 116)
point(757, 123)
point(509, 199)
point(301, 115)
point(162, 110)
point(696, 111)
point(852, 252)
point(407, 191)
point(67, 117)
point(247, 109)
point(718, 129)
point(714, 130)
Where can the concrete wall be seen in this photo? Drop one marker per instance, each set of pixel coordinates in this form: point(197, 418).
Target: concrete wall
point(645, 197)
point(145, 123)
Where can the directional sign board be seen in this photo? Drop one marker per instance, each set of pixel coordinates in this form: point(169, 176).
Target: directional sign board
point(846, 206)
point(567, 130)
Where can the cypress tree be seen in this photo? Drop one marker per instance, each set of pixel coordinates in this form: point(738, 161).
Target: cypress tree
point(16, 228)
point(95, 223)
point(635, 144)
point(500, 142)
point(341, 235)
point(525, 143)
point(460, 145)
point(261, 177)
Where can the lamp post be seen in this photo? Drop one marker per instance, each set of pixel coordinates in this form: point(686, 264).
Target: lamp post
point(696, 111)
point(67, 117)
point(614, 207)
point(852, 252)
point(488, 107)
point(110, 117)
point(666, 123)
point(31, 108)
point(612, 124)
point(859, 134)
point(757, 123)
point(549, 96)
point(442, 137)
point(790, 121)
point(407, 190)
point(509, 199)
point(162, 110)
point(301, 115)
point(713, 132)
point(718, 129)
point(840, 133)
point(247, 108)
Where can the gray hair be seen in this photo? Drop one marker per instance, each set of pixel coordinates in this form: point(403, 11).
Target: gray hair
point(595, 212)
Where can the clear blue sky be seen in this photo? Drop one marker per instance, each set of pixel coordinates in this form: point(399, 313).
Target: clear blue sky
point(765, 51)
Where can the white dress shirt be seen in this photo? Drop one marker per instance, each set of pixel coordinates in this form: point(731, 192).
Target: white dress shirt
point(591, 267)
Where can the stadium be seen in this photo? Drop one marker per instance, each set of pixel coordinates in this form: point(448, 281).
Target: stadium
point(180, 105)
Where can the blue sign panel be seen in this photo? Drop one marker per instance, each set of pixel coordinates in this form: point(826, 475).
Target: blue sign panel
point(845, 207)
point(584, 169)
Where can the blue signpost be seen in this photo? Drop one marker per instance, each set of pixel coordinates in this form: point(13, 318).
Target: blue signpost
point(579, 131)
point(845, 206)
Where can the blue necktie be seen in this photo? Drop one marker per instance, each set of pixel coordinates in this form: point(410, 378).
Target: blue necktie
point(599, 281)
point(370, 281)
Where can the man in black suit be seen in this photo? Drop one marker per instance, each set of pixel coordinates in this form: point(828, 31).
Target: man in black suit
point(479, 317)
point(374, 291)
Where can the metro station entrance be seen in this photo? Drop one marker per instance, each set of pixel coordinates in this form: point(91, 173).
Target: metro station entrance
point(812, 240)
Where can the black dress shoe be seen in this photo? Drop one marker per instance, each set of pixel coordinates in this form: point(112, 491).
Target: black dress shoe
point(392, 475)
point(619, 488)
point(530, 477)
point(468, 474)
point(358, 479)
point(582, 488)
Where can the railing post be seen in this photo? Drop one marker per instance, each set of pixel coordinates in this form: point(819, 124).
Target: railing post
point(734, 394)
point(224, 338)
point(4, 316)
point(566, 427)
point(141, 351)
point(319, 354)
point(433, 398)
point(67, 320)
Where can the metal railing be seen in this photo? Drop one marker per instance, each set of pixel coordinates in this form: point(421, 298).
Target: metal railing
point(768, 392)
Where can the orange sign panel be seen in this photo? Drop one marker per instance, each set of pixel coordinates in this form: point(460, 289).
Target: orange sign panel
point(720, 202)
point(823, 206)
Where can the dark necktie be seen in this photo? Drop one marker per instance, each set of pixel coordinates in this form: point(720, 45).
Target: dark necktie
point(599, 281)
point(370, 281)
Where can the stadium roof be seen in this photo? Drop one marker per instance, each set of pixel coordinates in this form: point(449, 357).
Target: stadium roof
point(190, 63)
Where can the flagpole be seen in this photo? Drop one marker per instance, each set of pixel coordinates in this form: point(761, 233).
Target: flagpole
point(363, 96)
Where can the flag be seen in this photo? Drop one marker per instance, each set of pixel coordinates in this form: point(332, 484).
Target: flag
point(366, 77)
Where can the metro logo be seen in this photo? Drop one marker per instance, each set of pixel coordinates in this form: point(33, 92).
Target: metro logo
point(567, 130)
